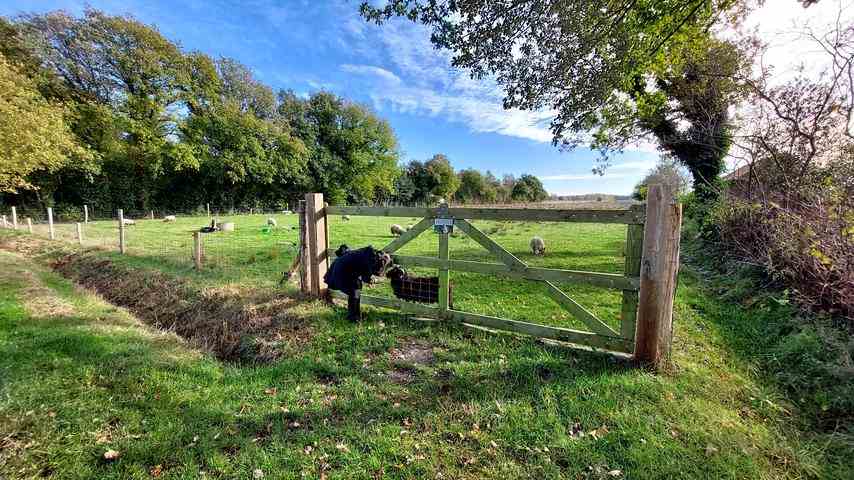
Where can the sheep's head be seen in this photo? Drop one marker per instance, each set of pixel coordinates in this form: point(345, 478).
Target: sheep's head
point(396, 272)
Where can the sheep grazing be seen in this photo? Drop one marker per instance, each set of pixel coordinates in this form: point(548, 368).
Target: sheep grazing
point(271, 222)
point(212, 228)
point(128, 221)
point(538, 246)
point(169, 218)
point(397, 230)
point(415, 289)
point(345, 218)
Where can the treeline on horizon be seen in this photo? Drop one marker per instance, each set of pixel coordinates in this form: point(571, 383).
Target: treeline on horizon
point(159, 128)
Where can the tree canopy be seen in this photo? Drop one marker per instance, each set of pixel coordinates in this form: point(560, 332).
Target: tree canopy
point(34, 135)
point(611, 72)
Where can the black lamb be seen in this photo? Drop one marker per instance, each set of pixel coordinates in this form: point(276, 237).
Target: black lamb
point(351, 269)
point(415, 289)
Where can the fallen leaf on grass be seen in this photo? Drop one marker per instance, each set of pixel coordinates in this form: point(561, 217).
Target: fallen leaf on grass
point(257, 473)
point(271, 391)
point(156, 471)
point(111, 455)
point(711, 450)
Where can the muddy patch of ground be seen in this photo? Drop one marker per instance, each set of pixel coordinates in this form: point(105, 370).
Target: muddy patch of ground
point(407, 357)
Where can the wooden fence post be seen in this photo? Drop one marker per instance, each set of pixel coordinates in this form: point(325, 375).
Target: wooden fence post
point(30, 225)
point(318, 243)
point(80, 233)
point(50, 232)
point(208, 205)
point(121, 231)
point(5, 223)
point(197, 250)
point(659, 268)
point(14, 218)
point(304, 283)
point(86, 214)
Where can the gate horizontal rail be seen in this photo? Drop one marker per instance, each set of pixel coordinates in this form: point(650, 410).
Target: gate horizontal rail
point(633, 215)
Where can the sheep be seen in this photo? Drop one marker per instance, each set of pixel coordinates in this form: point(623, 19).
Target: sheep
point(271, 222)
point(169, 218)
point(345, 218)
point(538, 246)
point(416, 289)
point(397, 230)
point(128, 221)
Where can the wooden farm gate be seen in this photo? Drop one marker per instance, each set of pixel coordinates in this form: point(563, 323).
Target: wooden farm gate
point(647, 283)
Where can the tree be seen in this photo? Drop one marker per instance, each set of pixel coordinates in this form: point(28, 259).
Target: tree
point(445, 181)
point(121, 63)
point(623, 70)
point(474, 187)
point(353, 154)
point(528, 189)
point(34, 134)
point(667, 171)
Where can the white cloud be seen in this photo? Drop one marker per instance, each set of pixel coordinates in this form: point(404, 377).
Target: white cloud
point(417, 79)
point(378, 72)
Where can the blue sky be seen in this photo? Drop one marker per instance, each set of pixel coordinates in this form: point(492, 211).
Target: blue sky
point(307, 46)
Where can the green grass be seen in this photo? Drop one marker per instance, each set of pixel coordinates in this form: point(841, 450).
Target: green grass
point(79, 377)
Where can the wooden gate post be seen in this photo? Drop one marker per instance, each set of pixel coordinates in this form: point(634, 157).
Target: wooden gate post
point(659, 267)
point(80, 233)
point(121, 231)
point(14, 218)
point(30, 225)
point(318, 243)
point(50, 232)
point(304, 284)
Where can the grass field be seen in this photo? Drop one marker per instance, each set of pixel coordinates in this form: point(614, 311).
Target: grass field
point(390, 397)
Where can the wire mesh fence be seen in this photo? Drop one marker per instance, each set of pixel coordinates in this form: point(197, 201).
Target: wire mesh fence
point(256, 245)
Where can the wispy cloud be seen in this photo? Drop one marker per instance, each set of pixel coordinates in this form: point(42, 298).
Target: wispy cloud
point(371, 70)
point(417, 79)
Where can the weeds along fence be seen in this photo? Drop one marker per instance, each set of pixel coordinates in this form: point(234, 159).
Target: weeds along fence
point(252, 250)
point(647, 283)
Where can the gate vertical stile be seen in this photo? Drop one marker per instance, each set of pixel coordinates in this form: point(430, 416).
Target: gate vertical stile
point(629, 309)
point(444, 277)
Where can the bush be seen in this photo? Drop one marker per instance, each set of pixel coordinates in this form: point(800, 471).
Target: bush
point(66, 212)
point(803, 236)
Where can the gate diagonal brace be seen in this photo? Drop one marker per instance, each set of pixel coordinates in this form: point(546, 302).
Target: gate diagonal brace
point(514, 263)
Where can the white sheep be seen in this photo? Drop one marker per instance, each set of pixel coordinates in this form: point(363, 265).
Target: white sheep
point(397, 230)
point(345, 218)
point(169, 218)
point(271, 222)
point(128, 221)
point(538, 246)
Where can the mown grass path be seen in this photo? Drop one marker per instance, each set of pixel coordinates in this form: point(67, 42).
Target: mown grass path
point(388, 398)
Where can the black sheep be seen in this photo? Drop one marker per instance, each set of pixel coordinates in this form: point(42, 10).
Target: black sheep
point(351, 269)
point(415, 289)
